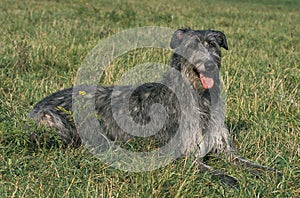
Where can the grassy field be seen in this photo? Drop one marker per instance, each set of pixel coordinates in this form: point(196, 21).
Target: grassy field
point(44, 42)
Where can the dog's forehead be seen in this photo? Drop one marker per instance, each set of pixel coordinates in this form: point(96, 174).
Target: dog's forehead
point(202, 34)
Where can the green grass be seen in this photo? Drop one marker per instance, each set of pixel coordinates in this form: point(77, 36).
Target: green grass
point(44, 42)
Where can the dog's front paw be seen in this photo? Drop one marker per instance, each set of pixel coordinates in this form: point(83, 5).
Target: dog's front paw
point(225, 179)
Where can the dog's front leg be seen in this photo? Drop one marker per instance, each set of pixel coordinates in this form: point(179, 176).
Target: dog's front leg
point(218, 174)
point(248, 164)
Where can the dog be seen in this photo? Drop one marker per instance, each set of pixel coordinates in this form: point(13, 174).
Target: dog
point(186, 105)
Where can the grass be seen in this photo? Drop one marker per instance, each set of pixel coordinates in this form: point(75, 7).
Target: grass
point(44, 42)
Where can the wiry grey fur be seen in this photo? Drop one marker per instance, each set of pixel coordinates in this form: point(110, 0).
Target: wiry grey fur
point(196, 52)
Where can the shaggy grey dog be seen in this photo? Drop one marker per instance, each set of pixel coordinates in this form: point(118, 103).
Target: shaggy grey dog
point(184, 107)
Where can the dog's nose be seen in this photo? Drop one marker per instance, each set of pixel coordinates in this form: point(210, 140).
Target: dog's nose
point(209, 65)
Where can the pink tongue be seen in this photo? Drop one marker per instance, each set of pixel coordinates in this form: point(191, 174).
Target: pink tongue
point(207, 82)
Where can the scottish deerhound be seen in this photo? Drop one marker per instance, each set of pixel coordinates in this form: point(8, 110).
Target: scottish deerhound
point(189, 95)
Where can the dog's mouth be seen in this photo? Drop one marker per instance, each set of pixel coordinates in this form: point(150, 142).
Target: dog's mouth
point(206, 81)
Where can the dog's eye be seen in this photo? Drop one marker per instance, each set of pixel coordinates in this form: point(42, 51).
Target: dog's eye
point(197, 38)
point(211, 43)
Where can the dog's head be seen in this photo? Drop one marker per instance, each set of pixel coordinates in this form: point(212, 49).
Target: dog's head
point(197, 55)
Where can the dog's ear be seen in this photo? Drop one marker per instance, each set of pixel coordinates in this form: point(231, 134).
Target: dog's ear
point(221, 39)
point(177, 37)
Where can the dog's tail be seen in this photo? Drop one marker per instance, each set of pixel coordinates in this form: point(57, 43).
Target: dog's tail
point(54, 112)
